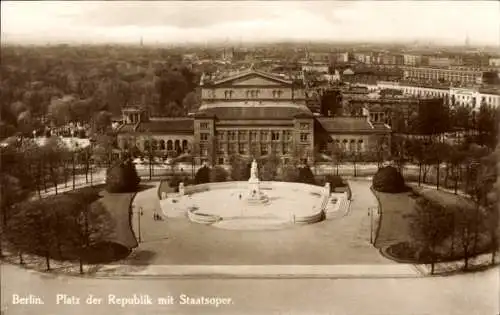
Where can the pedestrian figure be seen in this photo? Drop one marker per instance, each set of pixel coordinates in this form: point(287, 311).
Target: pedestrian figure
point(239, 196)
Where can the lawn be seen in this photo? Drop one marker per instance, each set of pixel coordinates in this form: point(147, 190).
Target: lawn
point(118, 205)
point(165, 187)
point(394, 236)
point(445, 198)
point(395, 221)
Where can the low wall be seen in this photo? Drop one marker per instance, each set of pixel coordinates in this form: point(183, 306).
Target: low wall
point(244, 185)
point(202, 218)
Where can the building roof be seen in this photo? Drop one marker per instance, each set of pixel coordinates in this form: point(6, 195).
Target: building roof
point(381, 127)
point(255, 112)
point(184, 125)
point(344, 124)
point(228, 78)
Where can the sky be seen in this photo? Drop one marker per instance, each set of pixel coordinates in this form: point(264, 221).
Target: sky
point(442, 22)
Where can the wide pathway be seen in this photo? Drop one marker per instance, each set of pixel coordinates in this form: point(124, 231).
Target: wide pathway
point(344, 240)
point(467, 294)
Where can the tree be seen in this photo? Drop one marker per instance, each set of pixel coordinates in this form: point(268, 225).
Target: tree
point(102, 151)
point(122, 177)
point(202, 176)
point(191, 101)
point(218, 174)
point(59, 110)
point(91, 224)
point(289, 173)
point(240, 168)
point(430, 226)
point(31, 229)
point(12, 193)
point(269, 169)
point(438, 152)
point(465, 226)
point(461, 118)
point(53, 153)
point(487, 126)
point(399, 148)
point(101, 122)
point(335, 153)
point(381, 149)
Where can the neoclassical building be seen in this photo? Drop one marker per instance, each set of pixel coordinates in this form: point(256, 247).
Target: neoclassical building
point(250, 113)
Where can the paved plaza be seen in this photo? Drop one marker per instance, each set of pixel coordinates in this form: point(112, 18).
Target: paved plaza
point(280, 207)
point(344, 240)
point(465, 294)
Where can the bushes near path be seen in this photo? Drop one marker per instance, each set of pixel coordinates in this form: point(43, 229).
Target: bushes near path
point(389, 180)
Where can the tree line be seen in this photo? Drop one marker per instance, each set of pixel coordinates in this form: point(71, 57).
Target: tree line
point(60, 227)
point(62, 84)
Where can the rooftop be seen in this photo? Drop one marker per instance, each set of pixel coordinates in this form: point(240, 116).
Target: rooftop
point(174, 125)
point(255, 112)
point(345, 124)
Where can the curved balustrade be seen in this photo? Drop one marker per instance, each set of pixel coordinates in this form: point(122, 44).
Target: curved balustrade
point(194, 214)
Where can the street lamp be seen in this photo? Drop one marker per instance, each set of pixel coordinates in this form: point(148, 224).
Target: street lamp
point(370, 214)
point(90, 161)
point(139, 214)
point(73, 158)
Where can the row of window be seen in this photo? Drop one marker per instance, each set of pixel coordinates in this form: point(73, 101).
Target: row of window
point(254, 136)
point(486, 100)
point(350, 145)
point(245, 148)
point(228, 94)
point(276, 135)
point(159, 144)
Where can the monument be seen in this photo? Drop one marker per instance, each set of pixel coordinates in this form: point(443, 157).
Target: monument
point(181, 189)
point(255, 196)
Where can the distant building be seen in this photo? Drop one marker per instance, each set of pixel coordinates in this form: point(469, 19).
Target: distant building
point(458, 76)
point(494, 62)
point(412, 60)
point(370, 75)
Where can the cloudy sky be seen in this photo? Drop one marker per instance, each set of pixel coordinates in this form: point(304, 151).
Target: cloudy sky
point(446, 22)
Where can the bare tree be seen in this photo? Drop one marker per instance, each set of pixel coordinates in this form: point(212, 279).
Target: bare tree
point(430, 227)
point(465, 226)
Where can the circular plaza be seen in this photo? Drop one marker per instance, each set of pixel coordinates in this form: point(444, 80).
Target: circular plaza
point(234, 205)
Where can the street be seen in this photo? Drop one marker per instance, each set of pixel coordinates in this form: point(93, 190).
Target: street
point(466, 294)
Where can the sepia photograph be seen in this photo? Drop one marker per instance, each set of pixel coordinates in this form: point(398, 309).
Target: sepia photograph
point(250, 157)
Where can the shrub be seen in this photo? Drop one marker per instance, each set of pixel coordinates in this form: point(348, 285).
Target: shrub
point(289, 174)
point(174, 182)
point(122, 177)
point(306, 176)
point(218, 174)
point(202, 176)
point(240, 168)
point(335, 181)
point(388, 179)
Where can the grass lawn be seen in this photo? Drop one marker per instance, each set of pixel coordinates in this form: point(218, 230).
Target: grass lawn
point(118, 204)
point(396, 219)
point(164, 187)
point(445, 198)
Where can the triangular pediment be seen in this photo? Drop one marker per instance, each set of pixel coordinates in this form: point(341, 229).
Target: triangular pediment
point(253, 79)
point(256, 80)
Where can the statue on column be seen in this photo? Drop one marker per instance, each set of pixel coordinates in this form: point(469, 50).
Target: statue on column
point(253, 170)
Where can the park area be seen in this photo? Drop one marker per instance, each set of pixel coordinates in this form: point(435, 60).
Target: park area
point(397, 239)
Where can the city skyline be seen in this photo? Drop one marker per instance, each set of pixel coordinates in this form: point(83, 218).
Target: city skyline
point(440, 22)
